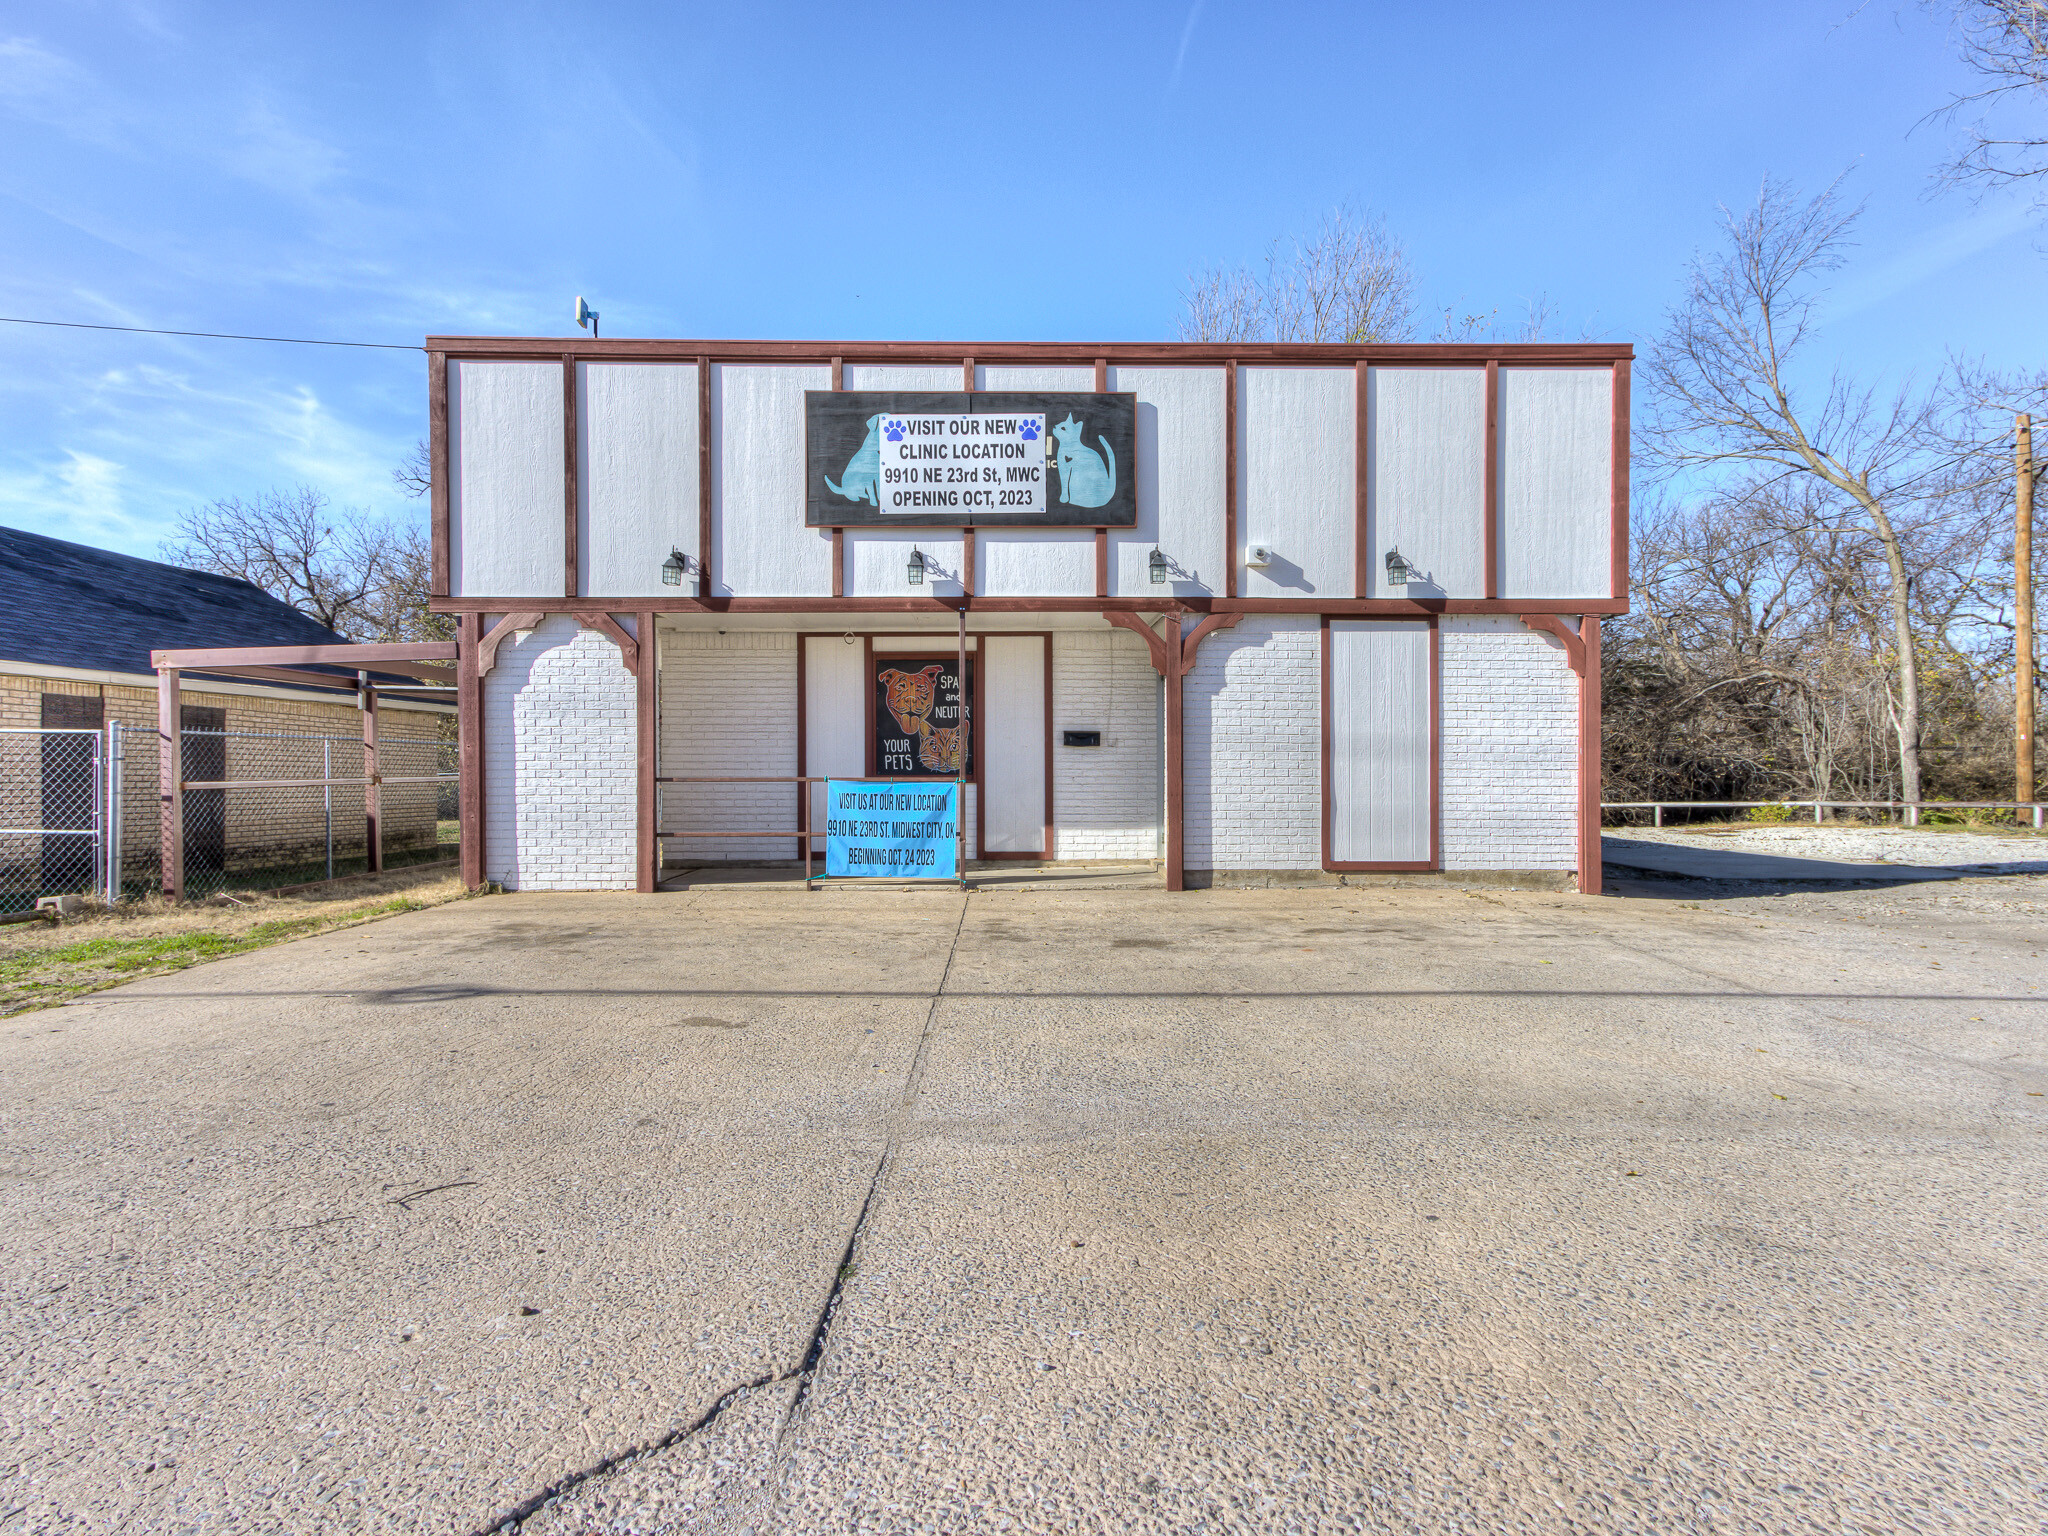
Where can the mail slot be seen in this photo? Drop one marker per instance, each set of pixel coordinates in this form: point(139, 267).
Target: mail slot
point(1081, 738)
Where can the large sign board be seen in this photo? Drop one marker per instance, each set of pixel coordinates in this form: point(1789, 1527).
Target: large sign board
point(891, 831)
point(999, 460)
point(921, 731)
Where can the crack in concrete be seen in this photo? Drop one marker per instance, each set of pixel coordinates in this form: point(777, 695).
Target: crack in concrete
point(509, 1523)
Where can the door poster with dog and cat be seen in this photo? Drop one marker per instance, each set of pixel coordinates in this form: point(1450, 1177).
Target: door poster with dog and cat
point(921, 731)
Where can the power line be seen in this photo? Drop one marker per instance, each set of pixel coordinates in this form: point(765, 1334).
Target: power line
point(145, 330)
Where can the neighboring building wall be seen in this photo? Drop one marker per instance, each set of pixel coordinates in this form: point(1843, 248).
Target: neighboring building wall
point(266, 827)
point(560, 761)
point(728, 706)
point(1510, 747)
point(1254, 748)
point(1107, 801)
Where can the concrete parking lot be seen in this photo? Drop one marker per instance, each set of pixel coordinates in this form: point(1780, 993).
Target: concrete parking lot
point(1688, 1208)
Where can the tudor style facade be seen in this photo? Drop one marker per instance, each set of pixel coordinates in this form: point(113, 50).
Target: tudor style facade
point(1227, 677)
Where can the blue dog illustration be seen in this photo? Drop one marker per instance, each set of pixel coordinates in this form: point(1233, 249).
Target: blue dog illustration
point(1087, 478)
point(864, 471)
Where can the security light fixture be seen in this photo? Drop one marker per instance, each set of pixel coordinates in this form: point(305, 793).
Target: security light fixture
point(1157, 566)
point(586, 317)
point(1398, 570)
point(916, 570)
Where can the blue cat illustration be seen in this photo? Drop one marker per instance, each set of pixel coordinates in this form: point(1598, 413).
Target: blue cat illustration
point(864, 470)
point(1087, 478)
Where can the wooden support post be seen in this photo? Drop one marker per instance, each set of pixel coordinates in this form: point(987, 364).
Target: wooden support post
point(373, 780)
point(1176, 877)
point(1589, 757)
point(170, 759)
point(646, 675)
point(2023, 612)
point(469, 722)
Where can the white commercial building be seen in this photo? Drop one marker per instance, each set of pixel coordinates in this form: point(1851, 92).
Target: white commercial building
point(1254, 612)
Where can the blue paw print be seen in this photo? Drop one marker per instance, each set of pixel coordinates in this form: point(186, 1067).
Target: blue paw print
point(893, 431)
point(1030, 431)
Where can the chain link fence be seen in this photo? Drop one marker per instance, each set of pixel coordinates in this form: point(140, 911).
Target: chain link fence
point(80, 810)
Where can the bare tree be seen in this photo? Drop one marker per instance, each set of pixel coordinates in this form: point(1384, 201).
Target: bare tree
point(1349, 281)
point(1724, 391)
point(414, 474)
point(360, 576)
point(2006, 43)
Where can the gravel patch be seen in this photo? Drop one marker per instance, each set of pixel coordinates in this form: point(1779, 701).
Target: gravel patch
point(2009, 854)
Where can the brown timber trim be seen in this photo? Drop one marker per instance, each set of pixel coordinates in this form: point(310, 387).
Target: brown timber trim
point(1436, 746)
point(839, 562)
point(1229, 486)
point(469, 720)
point(1490, 494)
point(967, 374)
point(867, 707)
point(1574, 644)
point(605, 624)
point(704, 579)
point(170, 759)
point(1355, 608)
point(1050, 809)
point(1589, 758)
point(1163, 661)
point(569, 577)
point(1330, 354)
point(647, 718)
point(1102, 562)
point(838, 373)
point(395, 657)
point(1102, 375)
point(1361, 550)
point(1413, 866)
point(437, 466)
point(1618, 551)
point(803, 743)
point(487, 646)
point(373, 795)
point(1201, 632)
point(1176, 767)
point(966, 564)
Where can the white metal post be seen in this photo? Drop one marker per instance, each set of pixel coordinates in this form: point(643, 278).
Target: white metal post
point(327, 797)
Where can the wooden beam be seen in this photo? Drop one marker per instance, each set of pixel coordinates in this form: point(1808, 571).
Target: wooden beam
point(469, 721)
point(1338, 607)
point(1201, 632)
point(1574, 644)
point(1618, 494)
point(503, 630)
point(1176, 787)
point(646, 694)
point(704, 577)
point(384, 657)
point(170, 772)
point(1490, 492)
point(373, 797)
point(1041, 353)
point(605, 624)
point(1589, 759)
point(1229, 479)
point(1163, 660)
point(569, 576)
point(1361, 511)
point(437, 468)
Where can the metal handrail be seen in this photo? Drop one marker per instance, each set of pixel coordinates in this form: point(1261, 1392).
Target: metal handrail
point(1911, 807)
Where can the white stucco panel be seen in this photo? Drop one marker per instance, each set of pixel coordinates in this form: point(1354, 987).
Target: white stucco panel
point(1556, 487)
point(1297, 484)
point(1181, 453)
point(1426, 479)
point(1023, 562)
point(760, 546)
point(878, 562)
point(636, 475)
point(505, 480)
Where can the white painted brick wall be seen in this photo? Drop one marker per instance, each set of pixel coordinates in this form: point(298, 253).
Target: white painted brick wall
point(728, 706)
point(1107, 801)
point(560, 750)
point(1254, 747)
point(1510, 747)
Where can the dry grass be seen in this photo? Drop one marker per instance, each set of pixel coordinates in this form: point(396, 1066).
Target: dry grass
point(44, 963)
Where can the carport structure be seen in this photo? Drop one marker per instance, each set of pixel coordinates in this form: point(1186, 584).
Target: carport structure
point(419, 671)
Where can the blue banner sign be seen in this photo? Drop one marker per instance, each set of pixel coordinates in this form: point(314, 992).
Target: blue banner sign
point(891, 831)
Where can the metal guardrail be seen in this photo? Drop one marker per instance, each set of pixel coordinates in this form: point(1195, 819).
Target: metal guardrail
point(1909, 809)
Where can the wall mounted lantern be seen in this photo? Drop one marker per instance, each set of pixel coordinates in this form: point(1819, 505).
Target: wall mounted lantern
point(676, 567)
point(1398, 570)
point(1157, 566)
point(916, 568)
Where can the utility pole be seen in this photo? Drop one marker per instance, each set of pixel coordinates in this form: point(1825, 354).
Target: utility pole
point(2023, 611)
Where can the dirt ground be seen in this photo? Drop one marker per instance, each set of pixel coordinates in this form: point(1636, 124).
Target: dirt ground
point(1688, 1208)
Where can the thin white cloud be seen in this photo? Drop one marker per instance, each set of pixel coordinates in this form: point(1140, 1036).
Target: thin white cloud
point(1187, 36)
point(1931, 254)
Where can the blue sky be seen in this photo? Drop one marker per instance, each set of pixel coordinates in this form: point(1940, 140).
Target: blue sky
point(379, 172)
